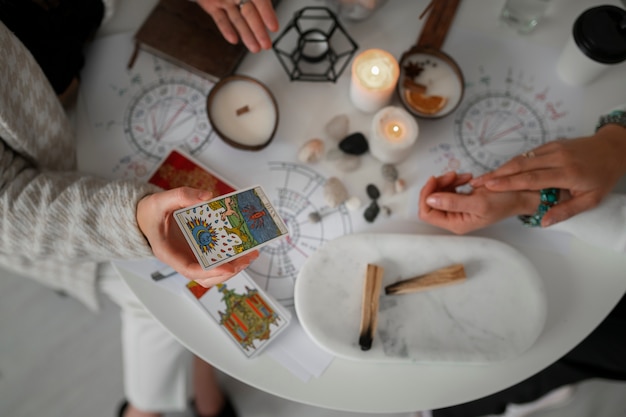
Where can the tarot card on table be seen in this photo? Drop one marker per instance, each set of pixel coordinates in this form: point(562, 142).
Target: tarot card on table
point(229, 226)
point(249, 317)
point(179, 169)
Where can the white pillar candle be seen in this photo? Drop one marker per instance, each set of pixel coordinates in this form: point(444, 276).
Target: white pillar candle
point(394, 131)
point(243, 112)
point(374, 77)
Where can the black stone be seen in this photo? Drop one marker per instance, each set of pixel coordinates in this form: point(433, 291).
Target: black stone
point(372, 191)
point(354, 144)
point(371, 212)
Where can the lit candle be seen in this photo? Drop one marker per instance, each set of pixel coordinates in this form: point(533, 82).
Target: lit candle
point(374, 77)
point(243, 112)
point(394, 131)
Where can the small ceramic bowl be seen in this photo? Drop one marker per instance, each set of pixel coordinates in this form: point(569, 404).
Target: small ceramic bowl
point(431, 84)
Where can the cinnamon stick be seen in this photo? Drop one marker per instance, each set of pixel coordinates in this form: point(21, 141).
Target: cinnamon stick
point(439, 20)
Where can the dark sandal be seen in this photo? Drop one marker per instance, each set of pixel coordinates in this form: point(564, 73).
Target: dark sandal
point(227, 409)
point(122, 408)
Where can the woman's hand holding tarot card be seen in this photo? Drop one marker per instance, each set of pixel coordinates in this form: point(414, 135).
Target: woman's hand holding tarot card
point(229, 226)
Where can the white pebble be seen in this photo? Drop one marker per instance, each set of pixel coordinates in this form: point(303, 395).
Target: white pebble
point(312, 151)
point(337, 127)
point(348, 163)
point(353, 203)
point(399, 185)
point(335, 192)
point(334, 154)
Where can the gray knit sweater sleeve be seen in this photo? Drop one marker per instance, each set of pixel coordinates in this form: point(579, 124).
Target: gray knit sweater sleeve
point(67, 216)
point(56, 224)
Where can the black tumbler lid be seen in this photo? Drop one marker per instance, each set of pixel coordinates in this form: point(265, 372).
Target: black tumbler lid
point(600, 32)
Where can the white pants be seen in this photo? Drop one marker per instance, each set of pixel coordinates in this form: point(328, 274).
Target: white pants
point(156, 366)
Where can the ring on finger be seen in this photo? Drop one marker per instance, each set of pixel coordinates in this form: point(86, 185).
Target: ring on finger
point(242, 3)
point(529, 154)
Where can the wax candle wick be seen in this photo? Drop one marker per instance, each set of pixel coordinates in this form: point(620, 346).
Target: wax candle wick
point(242, 110)
point(394, 131)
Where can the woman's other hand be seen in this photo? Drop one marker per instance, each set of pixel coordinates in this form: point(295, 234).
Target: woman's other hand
point(588, 167)
point(441, 205)
point(249, 21)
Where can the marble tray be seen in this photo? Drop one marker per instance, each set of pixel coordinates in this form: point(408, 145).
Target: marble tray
point(495, 314)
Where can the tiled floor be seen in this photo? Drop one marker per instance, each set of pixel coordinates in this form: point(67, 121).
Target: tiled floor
point(59, 360)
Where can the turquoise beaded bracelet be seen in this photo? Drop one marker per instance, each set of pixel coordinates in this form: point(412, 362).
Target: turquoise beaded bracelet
point(617, 117)
point(549, 197)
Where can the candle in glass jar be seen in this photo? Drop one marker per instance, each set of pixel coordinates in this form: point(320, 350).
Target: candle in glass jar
point(243, 112)
point(394, 131)
point(374, 77)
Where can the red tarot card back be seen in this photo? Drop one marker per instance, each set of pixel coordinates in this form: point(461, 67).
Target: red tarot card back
point(178, 170)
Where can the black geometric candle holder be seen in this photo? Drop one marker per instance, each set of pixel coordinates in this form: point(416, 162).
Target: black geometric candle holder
point(314, 46)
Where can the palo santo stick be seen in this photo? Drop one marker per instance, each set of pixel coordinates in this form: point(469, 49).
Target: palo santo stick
point(448, 275)
point(369, 308)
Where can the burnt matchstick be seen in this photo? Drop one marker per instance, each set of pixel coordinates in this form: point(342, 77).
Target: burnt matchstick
point(453, 274)
point(369, 309)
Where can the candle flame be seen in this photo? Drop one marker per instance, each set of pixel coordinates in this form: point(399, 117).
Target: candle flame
point(394, 132)
point(375, 69)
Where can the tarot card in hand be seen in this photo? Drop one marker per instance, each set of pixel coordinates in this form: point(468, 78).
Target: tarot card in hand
point(249, 316)
point(229, 226)
point(178, 169)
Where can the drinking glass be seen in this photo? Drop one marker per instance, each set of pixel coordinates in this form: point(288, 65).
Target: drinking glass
point(523, 15)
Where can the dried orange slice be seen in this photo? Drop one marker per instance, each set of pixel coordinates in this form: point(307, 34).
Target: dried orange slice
point(424, 103)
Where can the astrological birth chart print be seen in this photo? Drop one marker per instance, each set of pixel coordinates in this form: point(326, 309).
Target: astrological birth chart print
point(167, 113)
point(134, 117)
point(295, 191)
point(510, 106)
point(137, 115)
